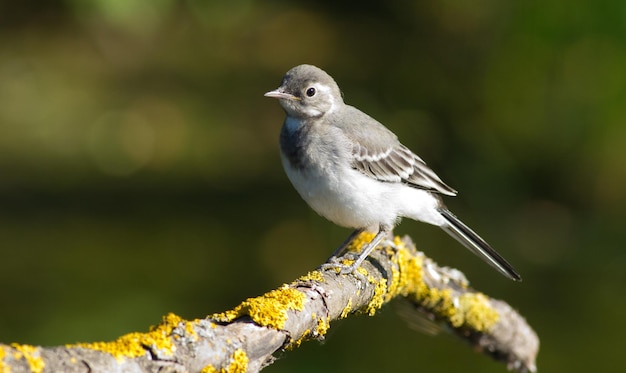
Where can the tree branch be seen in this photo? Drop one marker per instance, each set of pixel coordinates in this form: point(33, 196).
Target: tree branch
point(246, 337)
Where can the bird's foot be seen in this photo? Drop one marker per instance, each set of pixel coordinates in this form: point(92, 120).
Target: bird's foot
point(343, 269)
point(334, 261)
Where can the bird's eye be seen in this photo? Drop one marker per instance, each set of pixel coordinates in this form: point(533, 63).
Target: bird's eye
point(310, 92)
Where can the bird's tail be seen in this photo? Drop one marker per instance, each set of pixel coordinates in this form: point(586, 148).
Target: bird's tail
point(477, 245)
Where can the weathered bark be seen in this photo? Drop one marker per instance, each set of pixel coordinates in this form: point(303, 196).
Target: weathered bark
point(245, 338)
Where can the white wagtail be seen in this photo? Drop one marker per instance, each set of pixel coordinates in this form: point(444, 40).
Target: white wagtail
point(354, 172)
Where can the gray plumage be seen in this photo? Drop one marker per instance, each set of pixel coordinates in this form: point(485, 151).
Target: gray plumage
point(355, 172)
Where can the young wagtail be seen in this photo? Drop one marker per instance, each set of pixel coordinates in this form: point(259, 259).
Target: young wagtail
point(354, 172)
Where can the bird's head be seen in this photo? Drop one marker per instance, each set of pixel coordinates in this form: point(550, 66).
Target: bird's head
point(307, 91)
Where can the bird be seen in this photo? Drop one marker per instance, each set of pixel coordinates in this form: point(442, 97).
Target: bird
point(353, 171)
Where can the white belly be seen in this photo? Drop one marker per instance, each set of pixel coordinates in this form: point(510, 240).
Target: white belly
point(350, 199)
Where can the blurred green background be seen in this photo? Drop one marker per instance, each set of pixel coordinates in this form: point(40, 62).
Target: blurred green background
point(139, 167)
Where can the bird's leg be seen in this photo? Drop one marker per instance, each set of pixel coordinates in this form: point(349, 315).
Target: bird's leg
point(383, 232)
point(344, 245)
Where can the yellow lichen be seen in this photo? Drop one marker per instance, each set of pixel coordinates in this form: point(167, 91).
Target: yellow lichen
point(359, 241)
point(362, 271)
point(306, 334)
point(378, 299)
point(346, 310)
point(409, 274)
point(298, 342)
point(133, 344)
point(345, 263)
point(441, 302)
point(191, 332)
point(320, 330)
point(3, 367)
point(394, 283)
point(269, 309)
point(209, 369)
point(239, 364)
point(479, 315)
point(470, 310)
point(31, 354)
point(312, 276)
point(323, 324)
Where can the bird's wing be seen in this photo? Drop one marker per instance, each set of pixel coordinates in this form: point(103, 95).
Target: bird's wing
point(398, 164)
point(377, 153)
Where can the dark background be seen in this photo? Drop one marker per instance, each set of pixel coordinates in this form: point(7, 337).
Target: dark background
point(139, 168)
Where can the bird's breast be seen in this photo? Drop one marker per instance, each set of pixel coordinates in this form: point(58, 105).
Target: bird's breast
point(294, 143)
point(315, 162)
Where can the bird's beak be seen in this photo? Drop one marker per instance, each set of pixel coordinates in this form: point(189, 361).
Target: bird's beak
point(277, 93)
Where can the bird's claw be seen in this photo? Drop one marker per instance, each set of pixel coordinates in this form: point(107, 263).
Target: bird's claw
point(344, 269)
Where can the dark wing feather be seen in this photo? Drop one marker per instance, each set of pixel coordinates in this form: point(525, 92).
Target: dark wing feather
point(377, 153)
point(398, 164)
